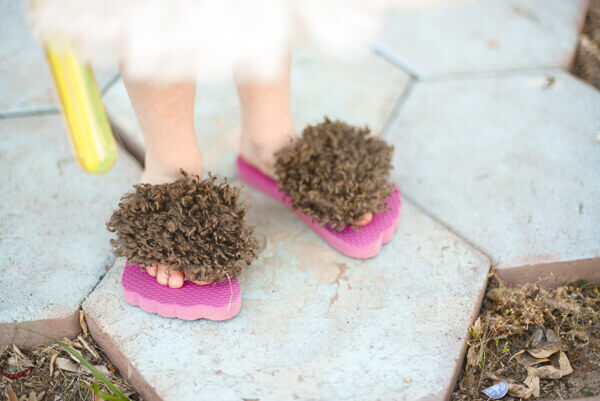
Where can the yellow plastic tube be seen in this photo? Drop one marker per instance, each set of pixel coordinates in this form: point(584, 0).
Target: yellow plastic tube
point(87, 124)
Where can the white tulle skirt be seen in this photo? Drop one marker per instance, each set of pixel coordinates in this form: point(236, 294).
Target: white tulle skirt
point(167, 41)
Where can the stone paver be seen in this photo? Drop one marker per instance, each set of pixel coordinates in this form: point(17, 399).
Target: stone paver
point(314, 325)
point(25, 79)
point(53, 243)
point(361, 93)
point(511, 163)
point(480, 36)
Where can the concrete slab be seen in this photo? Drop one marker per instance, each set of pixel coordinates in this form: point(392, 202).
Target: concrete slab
point(314, 325)
point(360, 93)
point(510, 163)
point(53, 244)
point(480, 36)
point(25, 80)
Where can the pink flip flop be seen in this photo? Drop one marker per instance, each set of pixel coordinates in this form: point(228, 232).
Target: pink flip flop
point(218, 301)
point(364, 243)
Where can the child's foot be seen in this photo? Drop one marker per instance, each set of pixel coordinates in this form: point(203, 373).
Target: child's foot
point(166, 276)
point(262, 156)
point(155, 173)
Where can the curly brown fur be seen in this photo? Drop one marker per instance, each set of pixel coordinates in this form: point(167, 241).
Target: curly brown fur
point(191, 225)
point(335, 173)
point(587, 56)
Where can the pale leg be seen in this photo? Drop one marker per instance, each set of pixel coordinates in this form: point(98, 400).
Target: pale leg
point(165, 114)
point(267, 123)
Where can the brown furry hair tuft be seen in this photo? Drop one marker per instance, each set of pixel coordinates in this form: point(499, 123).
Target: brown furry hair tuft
point(335, 173)
point(191, 225)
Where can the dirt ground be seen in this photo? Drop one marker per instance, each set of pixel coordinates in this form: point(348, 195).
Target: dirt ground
point(545, 344)
point(587, 57)
point(54, 375)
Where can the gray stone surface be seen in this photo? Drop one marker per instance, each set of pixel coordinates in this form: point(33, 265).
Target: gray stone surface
point(25, 79)
point(362, 92)
point(53, 243)
point(314, 325)
point(510, 162)
point(489, 35)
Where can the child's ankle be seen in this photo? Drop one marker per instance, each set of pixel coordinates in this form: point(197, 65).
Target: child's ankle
point(259, 150)
point(160, 170)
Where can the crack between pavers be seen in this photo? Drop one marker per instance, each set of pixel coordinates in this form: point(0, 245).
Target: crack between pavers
point(35, 111)
point(123, 139)
point(110, 261)
point(388, 55)
point(398, 106)
point(111, 82)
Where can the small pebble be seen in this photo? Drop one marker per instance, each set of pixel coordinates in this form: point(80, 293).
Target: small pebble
point(407, 379)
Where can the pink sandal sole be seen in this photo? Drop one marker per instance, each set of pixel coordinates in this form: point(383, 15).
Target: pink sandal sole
point(218, 301)
point(363, 244)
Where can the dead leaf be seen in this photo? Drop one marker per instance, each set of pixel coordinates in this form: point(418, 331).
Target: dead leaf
point(545, 351)
point(564, 364)
point(527, 360)
point(68, 365)
point(477, 327)
point(521, 390)
point(579, 334)
point(87, 347)
point(551, 336)
point(71, 343)
point(537, 336)
point(10, 393)
point(551, 372)
point(65, 364)
point(533, 383)
point(498, 294)
point(52, 360)
point(472, 356)
point(82, 322)
point(102, 369)
point(23, 359)
point(33, 396)
point(529, 388)
point(563, 306)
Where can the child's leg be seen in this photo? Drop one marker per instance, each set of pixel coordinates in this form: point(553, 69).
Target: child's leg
point(165, 115)
point(267, 123)
point(266, 120)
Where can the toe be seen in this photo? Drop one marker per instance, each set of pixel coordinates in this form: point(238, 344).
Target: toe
point(176, 279)
point(152, 270)
point(200, 282)
point(366, 219)
point(162, 276)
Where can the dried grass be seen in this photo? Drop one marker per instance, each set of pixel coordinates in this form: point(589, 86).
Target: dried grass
point(545, 323)
point(55, 376)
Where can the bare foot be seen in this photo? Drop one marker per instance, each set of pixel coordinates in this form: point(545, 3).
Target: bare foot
point(166, 276)
point(262, 156)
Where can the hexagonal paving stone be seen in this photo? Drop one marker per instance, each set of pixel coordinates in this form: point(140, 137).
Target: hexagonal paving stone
point(511, 163)
point(360, 93)
point(53, 244)
point(314, 324)
point(487, 35)
point(26, 83)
